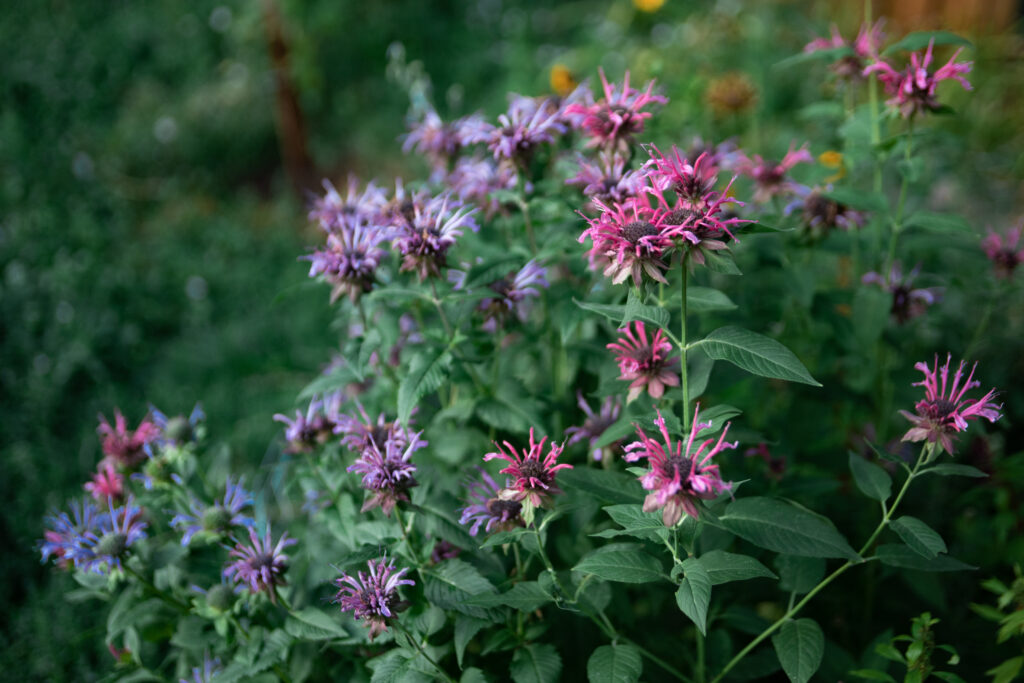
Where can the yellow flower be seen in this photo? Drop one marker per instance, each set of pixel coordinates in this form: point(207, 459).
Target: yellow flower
point(648, 5)
point(561, 80)
point(833, 159)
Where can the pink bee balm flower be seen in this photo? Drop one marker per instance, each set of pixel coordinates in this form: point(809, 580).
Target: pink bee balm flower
point(644, 362)
point(691, 182)
point(944, 411)
point(1003, 252)
point(534, 477)
point(865, 46)
point(106, 483)
point(770, 176)
point(630, 239)
point(913, 89)
point(613, 121)
point(679, 475)
point(373, 596)
point(122, 446)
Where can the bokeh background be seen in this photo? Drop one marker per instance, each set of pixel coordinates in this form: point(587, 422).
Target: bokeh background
point(156, 158)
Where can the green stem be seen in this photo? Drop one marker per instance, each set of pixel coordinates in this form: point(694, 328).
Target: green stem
point(405, 535)
point(440, 310)
point(831, 577)
point(685, 409)
point(700, 657)
point(173, 602)
point(419, 649)
point(550, 567)
point(897, 225)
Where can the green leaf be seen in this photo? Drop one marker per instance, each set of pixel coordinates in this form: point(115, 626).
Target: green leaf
point(503, 537)
point(872, 675)
point(395, 666)
point(339, 378)
point(465, 628)
point(703, 299)
point(871, 311)
point(784, 528)
point(949, 469)
point(473, 675)
point(526, 596)
point(635, 522)
point(637, 310)
point(694, 593)
point(699, 372)
point(720, 262)
point(919, 536)
point(615, 664)
point(1007, 671)
point(872, 480)
point(755, 353)
point(621, 562)
point(613, 312)
point(723, 567)
point(858, 199)
point(427, 372)
point(898, 555)
point(918, 40)
point(310, 623)
point(605, 485)
point(450, 583)
point(536, 664)
point(800, 646)
point(943, 223)
point(799, 574)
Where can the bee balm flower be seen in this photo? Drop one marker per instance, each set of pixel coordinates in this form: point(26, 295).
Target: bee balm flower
point(373, 596)
point(534, 476)
point(644, 362)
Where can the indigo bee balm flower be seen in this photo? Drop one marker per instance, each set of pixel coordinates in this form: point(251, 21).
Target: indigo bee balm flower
point(218, 518)
point(945, 410)
point(534, 476)
point(680, 473)
point(101, 547)
point(487, 508)
point(643, 361)
point(260, 566)
point(373, 596)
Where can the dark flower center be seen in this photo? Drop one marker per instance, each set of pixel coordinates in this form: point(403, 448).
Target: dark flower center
point(407, 210)
point(680, 464)
point(680, 216)
point(263, 560)
point(825, 210)
point(533, 469)
point(504, 285)
point(941, 409)
point(505, 509)
point(178, 430)
point(637, 229)
point(1007, 259)
point(112, 545)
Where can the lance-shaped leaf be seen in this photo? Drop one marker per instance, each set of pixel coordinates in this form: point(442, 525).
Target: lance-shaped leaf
point(800, 645)
point(872, 480)
point(637, 310)
point(536, 664)
point(694, 593)
point(919, 536)
point(755, 353)
point(615, 664)
point(723, 567)
point(622, 562)
point(427, 372)
point(776, 525)
point(703, 299)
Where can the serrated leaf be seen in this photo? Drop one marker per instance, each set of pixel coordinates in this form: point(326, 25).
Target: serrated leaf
point(473, 675)
point(704, 299)
point(949, 469)
point(637, 310)
point(755, 353)
point(872, 480)
point(800, 646)
point(395, 667)
point(450, 583)
point(427, 372)
point(339, 378)
point(918, 40)
point(799, 574)
point(503, 537)
point(621, 562)
point(310, 623)
point(613, 312)
point(536, 663)
point(526, 596)
point(615, 664)
point(694, 593)
point(898, 555)
point(723, 567)
point(635, 521)
point(721, 262)
point(605, 485)
point(775, 525)
point(943, 223)
point(465, 628)
point(919, 536)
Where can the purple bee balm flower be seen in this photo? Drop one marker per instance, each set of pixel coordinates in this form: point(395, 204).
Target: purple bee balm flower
point(607, 180)
point(770, 176)
point(487, 507)
point(351, 258)
point(821, 214)
point(373, 596)
point(387, 472)
point(944, 411)
point(313, 428)
point(106, 483)
point(122, 446)
point(629, 240)
point(204, 673)
point(177, 430)
point(907, 302)
point(217, 519)
point(67, 533)
point(259, 566)
point(432, 138)
point(679, 475)
point(103, 545)
point(476, 179)
point(361, 432)
point(575, 105)
point(512, 292)
point(332, 211)
point(534, 477)
point(913, 89)
point(1003, 250)
point(472, 129)
point(595, 425)
point(644, 362)
point(434, 229)
point(612, 122)
point(528, 123)
point(864, 47)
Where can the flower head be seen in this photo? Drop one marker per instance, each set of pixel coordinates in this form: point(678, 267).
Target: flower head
point(433, 138)
point(595, 425)
point(204, 673)
point(315, 426)
point(102, 546)
point(691, 182)
point(680, 473)
point(177, 430)
point(907, 302)
point(528, 123)
point(865, 46)
point(387, 472)
point(607, 179)
point(913, 89)
point(122, 446)
point(351, 258)
point(487, 507)
point(945, 411)
point(612, 122)
point(1003, 250)
point(476, 180)
point(771, 176)
point(511, 295)
point(106, 483)
point(68, 533)
point(643, 361)
point(629, 240)
point(534, 476)
point(356, 208)
point(260, 566)
point(217, 519)
point(373, 596)
point(433, 229)
point(359, 433)
point(821, 214)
